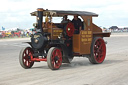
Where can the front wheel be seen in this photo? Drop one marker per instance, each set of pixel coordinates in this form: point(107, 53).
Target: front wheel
point(54, 58)
point(25, 57)
point(98, 51)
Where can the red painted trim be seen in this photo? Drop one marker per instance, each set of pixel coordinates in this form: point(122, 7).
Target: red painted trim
point(37, 59)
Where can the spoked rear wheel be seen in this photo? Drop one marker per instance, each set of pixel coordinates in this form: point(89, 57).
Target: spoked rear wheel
point(25, 57)
point(98, 51)
point(54, 58)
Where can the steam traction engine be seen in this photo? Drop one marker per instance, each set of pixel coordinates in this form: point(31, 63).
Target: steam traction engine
point(56, 43)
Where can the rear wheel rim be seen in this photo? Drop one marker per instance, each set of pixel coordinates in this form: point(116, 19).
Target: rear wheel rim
point(56, 58)
point(99, 50)
point(27, 57)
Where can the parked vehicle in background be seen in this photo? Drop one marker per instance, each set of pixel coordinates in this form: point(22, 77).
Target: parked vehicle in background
point(8, 34)
point(0, 34)
point(17, 33)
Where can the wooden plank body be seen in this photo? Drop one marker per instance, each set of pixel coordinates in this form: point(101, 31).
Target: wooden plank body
point(82, 42)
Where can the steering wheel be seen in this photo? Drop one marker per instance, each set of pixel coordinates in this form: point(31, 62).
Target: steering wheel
point(70, 29)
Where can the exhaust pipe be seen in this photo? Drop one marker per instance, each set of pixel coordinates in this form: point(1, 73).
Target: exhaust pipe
point(39, 20)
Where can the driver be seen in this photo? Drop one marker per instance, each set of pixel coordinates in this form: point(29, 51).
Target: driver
point(65, 19)
point(77, 24)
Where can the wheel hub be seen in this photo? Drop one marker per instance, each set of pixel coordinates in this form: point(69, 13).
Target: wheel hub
point(56, 58)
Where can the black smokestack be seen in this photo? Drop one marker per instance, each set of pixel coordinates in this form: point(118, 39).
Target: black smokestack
point(39, 20)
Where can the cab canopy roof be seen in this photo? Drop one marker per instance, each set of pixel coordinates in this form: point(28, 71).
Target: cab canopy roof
point(65, 12)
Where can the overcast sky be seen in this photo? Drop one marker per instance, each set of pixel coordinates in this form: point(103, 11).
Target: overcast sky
point(16, 13)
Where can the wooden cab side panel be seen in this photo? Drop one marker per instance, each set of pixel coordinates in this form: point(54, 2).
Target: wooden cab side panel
point(82, 42)
point(76, 43)
point(55, 32)
point(97, 32)
point(96, 28)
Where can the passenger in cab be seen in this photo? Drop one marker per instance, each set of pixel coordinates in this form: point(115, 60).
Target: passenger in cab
point(77, 24)
point(65, 19)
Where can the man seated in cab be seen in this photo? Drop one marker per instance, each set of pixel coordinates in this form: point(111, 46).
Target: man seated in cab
point(65, 20)
point(77, 24)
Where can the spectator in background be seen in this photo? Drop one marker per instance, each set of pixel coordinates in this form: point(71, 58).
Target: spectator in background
point(25, 33)
point(22, 34)
point(0, 34)
point(12, 33)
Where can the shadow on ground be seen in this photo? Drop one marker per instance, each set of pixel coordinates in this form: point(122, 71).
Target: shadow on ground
point(80, 63)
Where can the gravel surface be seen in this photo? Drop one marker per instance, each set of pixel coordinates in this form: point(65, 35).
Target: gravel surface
point(113, 71)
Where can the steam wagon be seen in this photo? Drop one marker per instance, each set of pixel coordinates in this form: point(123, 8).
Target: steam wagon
point(58, 43)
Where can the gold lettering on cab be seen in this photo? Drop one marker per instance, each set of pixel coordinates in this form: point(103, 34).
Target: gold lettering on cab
point(89, 32)
point(56, 34)
point(84, 39)
point(84, 32)
point(88, 35)
point(83, 36)
point(89, 39)
point(57, 31)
